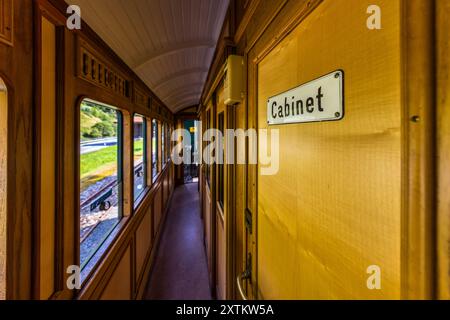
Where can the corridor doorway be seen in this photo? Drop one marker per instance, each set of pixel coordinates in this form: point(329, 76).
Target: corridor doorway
point(190, 171)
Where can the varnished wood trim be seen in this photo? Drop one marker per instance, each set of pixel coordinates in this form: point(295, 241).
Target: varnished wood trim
point(216, 83)
point(307, 8)
point(93, 38)
point(443, 148)
point(7, 16)
point(60, 136)
point(418, 150)
point(264, 27)
point(36, 150)
point(249, 12)
point(97, 70)
point(225, 47)
point(4, 101)
point(43, 11)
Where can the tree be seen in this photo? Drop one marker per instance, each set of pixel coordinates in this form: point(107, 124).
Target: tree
point(103, 129)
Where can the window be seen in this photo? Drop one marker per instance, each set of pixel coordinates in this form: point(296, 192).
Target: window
point(100, 178)
point(163, 143)
point(208, 167)
point(3, 172)
point(168, 142)
point(154, 149)
point(139, 158)
point(220, 166)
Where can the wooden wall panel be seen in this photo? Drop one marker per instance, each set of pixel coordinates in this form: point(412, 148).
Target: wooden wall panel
point(166, 190)
point(20, 49)
point(208, 231)
point(171, 170)
point(222, 212)
point(47, 160)
point(3, 187)
point(6, 21)
point(240, 246)
point(334, 207)
point(157, 206)
point(163, 192)
point(143, 241)
point(16, 69)
point(119, 285)
point(221, 263)
point(145, 248)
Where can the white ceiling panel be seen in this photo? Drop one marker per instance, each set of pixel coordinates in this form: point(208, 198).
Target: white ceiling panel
point(168, 43)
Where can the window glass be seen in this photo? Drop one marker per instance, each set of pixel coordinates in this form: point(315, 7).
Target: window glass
point(154, 149)
point(169, 136)
point(163, 143)
point(208, 166)
point(167, 142)
point(100, 176)
point(139, 143)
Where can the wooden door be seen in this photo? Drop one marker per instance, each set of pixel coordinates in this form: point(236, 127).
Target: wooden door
point(221, 205)
point(240, 232)
point(208, 202)
point(340, 203)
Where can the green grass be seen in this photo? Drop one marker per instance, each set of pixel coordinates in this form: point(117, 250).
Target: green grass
point(92, 163)
point(139, 148)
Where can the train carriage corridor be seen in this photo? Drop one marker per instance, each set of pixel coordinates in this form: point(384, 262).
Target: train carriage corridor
point(180, 271)
point(224, 150)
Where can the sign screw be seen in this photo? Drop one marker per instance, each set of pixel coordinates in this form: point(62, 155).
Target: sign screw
point(337, 114)
point(337, 75)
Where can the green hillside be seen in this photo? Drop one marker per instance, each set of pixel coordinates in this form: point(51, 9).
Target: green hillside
point(97, 121)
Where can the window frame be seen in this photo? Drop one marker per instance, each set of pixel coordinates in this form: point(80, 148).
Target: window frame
point(208, 165)
point(155, 149)
point(138, 200)
point(163, 145)
point(91, 264)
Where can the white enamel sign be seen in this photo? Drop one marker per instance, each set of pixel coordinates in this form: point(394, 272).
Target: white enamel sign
point(319, 100)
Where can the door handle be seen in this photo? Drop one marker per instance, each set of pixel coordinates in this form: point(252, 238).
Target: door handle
point(240, 278)
point(246, 275)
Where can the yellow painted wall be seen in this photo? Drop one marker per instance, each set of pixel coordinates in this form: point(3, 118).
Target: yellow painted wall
point(334, 207)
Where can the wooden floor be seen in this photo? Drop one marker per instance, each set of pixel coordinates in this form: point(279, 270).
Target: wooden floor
point(180, 270)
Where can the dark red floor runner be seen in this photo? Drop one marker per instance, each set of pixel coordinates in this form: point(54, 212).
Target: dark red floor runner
point(180, 271)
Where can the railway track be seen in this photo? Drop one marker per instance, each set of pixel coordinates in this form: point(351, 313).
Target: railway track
point(103, 214)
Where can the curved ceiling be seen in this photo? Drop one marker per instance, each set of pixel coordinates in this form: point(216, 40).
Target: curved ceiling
point(168, 43)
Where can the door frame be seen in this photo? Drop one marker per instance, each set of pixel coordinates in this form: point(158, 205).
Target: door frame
point(443, 149)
